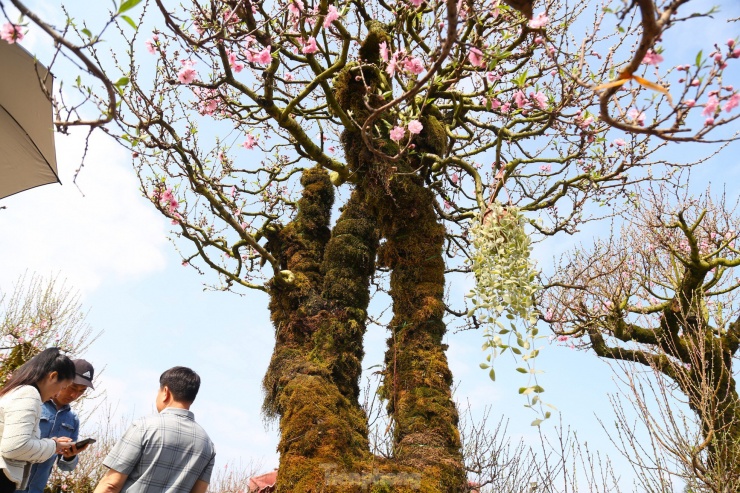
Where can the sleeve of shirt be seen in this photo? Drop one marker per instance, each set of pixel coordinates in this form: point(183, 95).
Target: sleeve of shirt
point(69, 465)
point(22, 414)
point(125, 454)
point(206, 474)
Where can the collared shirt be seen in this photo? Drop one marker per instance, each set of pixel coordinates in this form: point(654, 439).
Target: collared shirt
point(167, 452)
point(55, 422)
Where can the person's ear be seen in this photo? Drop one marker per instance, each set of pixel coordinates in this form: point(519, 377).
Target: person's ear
point(167, 394)
point(53, 376)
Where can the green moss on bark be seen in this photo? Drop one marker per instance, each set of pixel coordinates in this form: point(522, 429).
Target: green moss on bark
point(417, 380)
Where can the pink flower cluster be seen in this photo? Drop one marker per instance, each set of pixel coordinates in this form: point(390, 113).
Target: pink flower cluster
point(11, 33)
point(652, 58)
point(712, 106)
point(151, 44)
point(168, 202)
point(187, 73)
point(583, 123)
point(236, 65)
point(255, 54)
point(636, 116)
point(250, 142)
point(476, 58)
point(400, 61)
point(331, 15)
point(398, 132)
point(208, 100)
point(309, 46)
point(296, 8)
point(539, 21)
point(538, 98)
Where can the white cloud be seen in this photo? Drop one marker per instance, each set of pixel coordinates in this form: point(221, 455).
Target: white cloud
point(110, 231)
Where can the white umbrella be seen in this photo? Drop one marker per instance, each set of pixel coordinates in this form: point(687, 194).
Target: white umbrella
point(27, 157)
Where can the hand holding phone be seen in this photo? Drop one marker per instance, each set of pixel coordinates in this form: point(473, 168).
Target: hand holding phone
point(62, 444)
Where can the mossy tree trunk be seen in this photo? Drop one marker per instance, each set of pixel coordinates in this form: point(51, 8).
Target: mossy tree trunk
point(312, 383)
point(417, 379)
point(313, 380)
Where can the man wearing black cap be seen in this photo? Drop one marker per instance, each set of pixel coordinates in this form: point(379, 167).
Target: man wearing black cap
point(58, 420)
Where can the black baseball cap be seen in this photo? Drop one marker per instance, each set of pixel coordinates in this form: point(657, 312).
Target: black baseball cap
point(84, 373)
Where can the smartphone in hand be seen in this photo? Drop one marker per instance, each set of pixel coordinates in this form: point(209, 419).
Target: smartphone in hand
point(84, 442)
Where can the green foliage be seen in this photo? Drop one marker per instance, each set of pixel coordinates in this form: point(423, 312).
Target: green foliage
point(506, 282)
point(128, 5)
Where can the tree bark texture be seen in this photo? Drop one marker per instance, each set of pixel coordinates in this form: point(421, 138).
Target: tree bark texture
point(312, 380)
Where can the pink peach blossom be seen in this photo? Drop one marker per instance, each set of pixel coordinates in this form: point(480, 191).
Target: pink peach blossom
point(235, 64)
point(636, 116)
point(250, 142)
point(415, 126)
point(150, 46)
point(264, 57)
point(733, 102)
point(413, 65)
point(711, 106)
point(295, 7)
point(331, 15)
point(11, 33)
point(493, 77)
point(397, 133)
point(392, 65)
point(476, 58)
point(540, 100)
point(187, 73)
point(540, 20)
point(520, 99)
point(384, 51)
point(652, 58)
point(310, 46)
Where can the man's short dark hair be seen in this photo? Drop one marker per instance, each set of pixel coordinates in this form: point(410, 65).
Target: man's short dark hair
point(182, 382)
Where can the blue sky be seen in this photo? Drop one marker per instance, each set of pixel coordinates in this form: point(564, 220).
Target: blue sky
point(113, 246)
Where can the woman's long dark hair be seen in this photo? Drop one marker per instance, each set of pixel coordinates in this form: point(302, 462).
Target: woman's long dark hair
point(38, 367)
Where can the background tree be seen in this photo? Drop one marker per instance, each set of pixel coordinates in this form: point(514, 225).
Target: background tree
point(38, 313)
point(662, 293)
point(452, 118)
